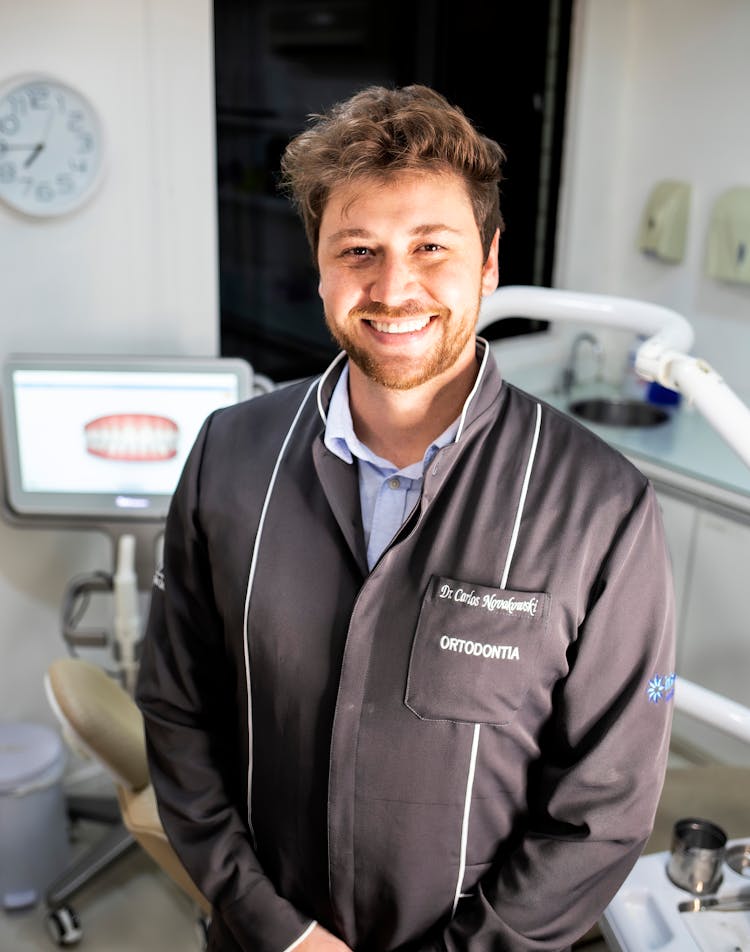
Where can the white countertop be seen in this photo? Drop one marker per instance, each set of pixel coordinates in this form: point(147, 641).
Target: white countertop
point(685, 451)
point(645, 914)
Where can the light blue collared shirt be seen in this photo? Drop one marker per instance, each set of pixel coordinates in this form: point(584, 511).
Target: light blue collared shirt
point(387, 494)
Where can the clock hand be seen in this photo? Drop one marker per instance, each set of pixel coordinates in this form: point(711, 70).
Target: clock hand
point(15, 146)
point(47, 126)
point(37, 149)
point(40, 145)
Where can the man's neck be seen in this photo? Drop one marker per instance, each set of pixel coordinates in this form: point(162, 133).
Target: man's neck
point(399, 425)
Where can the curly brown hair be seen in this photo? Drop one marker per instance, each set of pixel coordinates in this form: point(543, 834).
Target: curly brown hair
point(379, 132)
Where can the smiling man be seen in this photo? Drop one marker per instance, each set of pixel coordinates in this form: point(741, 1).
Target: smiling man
point(402, 273)
point(396, 676)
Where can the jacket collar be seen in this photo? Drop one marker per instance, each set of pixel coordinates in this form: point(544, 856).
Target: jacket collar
point(483, 394)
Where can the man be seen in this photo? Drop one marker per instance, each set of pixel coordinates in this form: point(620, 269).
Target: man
point(396, 678)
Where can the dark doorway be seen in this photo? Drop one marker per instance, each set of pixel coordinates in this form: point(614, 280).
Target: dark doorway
point(277, 61)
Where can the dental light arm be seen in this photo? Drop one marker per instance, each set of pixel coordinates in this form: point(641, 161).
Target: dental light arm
point(662, 357)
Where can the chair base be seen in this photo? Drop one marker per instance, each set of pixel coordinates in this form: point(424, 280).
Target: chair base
point(115, 842)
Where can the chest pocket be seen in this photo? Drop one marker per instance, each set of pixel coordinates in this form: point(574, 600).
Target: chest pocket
point(475, 651)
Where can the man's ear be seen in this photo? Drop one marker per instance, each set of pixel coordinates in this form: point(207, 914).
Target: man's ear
point(490, 268)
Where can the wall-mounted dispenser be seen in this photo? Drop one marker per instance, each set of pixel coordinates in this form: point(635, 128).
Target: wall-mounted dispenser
point(663, 231)
point(728, 253)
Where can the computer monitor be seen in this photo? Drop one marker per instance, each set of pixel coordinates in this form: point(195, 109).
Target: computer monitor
point(102, 440)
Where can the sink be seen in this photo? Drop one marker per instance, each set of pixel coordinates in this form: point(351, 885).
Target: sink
point(618, 412)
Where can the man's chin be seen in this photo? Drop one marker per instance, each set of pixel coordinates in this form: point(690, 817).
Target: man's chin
point(397, 376)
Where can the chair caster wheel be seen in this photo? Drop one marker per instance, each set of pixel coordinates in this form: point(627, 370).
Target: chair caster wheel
point(64, 926)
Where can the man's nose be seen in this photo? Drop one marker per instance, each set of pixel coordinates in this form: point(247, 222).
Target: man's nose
point(393, 282)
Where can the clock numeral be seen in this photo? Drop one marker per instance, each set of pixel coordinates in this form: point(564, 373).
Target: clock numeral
point(18, 103)
point(76, 121)
point(44, 192)
point(85, 142)
point(65, 183)
point(7, 172)
point(78, 165)
point(38, 97)
point(9, 125)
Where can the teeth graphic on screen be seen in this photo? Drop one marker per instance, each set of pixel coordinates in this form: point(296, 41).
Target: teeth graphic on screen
point(133, 437)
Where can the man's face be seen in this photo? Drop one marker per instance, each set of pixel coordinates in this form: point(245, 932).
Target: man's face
point(402, 275)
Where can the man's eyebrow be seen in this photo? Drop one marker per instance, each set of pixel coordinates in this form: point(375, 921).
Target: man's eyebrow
point(349, 233)
point(431, 228)
point(419, 230)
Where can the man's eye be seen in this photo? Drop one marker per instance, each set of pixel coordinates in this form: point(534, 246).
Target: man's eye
point(432, 246)
point(357, 252)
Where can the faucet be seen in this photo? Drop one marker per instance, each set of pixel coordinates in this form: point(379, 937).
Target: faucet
point(569, 370)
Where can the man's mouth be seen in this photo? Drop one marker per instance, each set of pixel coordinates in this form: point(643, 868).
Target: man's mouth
point(401, 327)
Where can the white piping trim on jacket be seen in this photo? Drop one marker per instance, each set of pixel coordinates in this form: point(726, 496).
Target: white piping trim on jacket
point(302, 938)
point(467, 811)
point(522, 500)
point(248, 592)
point(474, 389)
point(477, 727)
point(323, 379)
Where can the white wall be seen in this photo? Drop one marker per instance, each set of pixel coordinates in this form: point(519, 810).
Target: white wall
point(134, 271)
point(658, 90)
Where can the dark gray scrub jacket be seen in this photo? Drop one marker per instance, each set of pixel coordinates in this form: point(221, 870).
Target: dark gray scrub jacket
point(460, 749)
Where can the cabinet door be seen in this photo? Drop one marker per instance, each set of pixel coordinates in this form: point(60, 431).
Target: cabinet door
point(679, 527)
point(715, 632)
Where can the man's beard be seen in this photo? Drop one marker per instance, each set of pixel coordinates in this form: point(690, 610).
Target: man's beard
point(399, 373)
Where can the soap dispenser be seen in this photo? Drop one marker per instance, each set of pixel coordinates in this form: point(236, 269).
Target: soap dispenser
point(728, 253)
point(663, 231)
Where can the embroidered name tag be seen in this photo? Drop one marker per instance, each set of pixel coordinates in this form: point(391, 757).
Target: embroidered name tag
point(475, 651)
point(490, 601)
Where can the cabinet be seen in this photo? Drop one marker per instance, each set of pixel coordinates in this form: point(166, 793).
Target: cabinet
point(710, 552)
point(679, 526)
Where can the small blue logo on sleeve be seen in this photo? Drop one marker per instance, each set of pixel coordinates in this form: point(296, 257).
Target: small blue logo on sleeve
point(661, 688)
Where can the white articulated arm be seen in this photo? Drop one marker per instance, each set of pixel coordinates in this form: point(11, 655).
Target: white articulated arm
point(713, 709)
point(662, 357)
point(670, 330)
point(127, 620)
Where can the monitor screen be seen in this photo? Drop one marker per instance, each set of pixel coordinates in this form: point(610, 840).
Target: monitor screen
point(106, 438)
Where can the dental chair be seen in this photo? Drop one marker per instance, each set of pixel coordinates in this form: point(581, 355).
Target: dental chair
point(100, 720)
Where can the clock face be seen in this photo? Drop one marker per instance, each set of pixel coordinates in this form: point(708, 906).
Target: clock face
point(50, 147)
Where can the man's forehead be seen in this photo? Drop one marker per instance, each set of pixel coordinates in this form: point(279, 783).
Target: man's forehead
point(424, 202)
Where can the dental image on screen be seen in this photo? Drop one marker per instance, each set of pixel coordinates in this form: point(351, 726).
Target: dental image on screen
point(119, 433)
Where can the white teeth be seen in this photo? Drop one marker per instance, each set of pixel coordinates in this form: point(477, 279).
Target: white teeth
point(401, 327)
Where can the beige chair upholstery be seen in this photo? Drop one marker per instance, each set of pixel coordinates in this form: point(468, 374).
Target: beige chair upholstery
point(105, 723)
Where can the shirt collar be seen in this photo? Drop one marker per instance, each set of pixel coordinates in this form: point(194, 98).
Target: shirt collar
point(342, 441)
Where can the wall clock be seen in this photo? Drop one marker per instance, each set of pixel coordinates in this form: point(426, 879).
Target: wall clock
point(51, 146)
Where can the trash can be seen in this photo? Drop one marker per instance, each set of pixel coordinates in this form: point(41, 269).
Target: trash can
point(34, 845)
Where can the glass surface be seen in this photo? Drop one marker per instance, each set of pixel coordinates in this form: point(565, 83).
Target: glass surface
point(83, 438)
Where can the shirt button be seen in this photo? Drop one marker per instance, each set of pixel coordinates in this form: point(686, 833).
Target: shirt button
point(394, 483)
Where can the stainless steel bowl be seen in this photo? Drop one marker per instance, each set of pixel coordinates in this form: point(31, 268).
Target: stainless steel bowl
point(618, 412)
